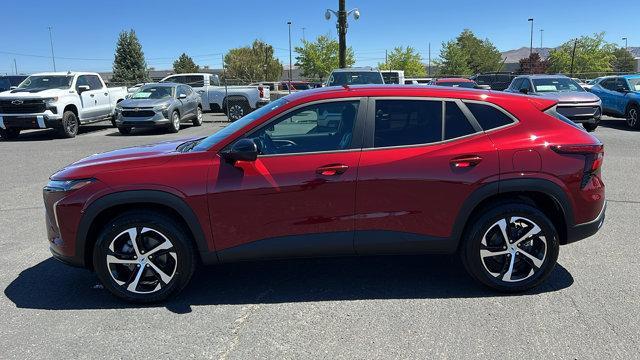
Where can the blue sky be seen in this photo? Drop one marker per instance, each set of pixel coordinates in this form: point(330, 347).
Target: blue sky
point(85, 32)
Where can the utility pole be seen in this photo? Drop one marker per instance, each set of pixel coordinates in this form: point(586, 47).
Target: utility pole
point(53, 57)
point(226, 91)
point(573, 54)
point(531, 45)
point(386, 60)
point(304, 38)
point(541, 31)
point(429, 66)
point(290, 64)
point(15, 65)
point(626, 46)
point(342, 25)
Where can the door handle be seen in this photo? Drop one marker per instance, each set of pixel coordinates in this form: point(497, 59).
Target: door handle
point(465, 161)
point(106, 94)
point(92, 95)
point(331, 170)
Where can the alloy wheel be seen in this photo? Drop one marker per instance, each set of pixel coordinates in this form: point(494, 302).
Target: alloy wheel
point(176, 121)
point(71, 125)
point(199, 114)
point(236, 112)
point(632, 119)
point(513, 249)
point(141, 260)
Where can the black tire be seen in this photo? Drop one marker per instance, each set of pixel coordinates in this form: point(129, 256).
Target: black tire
point(69, 125)
point(197, 121)
point(633, 116)
point(113, 121)
point(591, 127)
point(487, 224)
point(124, 130)
point(9, 134)
point(151, 230)
point(174, 126)
point(237, 108)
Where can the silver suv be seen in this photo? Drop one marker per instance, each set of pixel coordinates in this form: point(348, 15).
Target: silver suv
point(355, 76)
point(573, 101)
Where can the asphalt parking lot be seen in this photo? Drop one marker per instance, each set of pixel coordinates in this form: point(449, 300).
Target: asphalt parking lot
point(398, 307)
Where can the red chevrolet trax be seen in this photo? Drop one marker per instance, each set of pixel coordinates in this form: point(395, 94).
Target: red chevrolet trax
point(502, 179)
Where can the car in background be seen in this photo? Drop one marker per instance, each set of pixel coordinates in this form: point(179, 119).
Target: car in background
point(457, 82)
point(159, 105)
point(496, 81)
point(135, 88)
point(235, 101)
point(10, 81)
point(338, 171)
point(57, 100)
point(574, 102)
point(393, 76)
point(620, 97)
point(355, 76)
point(417, 81)
point(589, 83)
point(295, 85)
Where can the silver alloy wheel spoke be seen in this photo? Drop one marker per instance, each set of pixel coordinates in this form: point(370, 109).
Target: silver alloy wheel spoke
point(114, 260)
point(507, 275)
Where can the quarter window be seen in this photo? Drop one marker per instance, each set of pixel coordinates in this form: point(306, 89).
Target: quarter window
point(407, 122)
point(319, 127)
point(456, 123)
point(488, 117)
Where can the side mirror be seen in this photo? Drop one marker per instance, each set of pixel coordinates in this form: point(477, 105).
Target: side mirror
point(83, 88)
point(622, 90)
point(524, 91)
point(242, 150)
point(182, 96)
point(13, 87)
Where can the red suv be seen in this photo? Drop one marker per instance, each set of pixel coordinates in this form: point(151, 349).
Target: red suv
point(500, 178)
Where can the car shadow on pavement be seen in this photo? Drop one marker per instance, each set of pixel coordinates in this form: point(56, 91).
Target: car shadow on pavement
point(54, 286)
point(618, 124)
point(51, 134)
point(152, 131)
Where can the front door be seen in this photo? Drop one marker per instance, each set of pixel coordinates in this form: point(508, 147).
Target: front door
point(89, 99)
point(298, 197)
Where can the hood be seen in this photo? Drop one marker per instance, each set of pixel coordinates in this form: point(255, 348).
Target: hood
point(132, 157)
point(129, 103)
point(31, 93)
point(571, 96)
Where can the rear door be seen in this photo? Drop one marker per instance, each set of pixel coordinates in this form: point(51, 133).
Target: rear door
point(422, 159)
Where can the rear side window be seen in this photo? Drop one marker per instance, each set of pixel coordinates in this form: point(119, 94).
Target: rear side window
point(455, 123)
point(407, 122)
point(488, 117)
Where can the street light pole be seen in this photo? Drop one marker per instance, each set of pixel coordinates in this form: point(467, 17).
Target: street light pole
point(531, 45)
point(304, 39)
point(541, 31)
point(290, 64)
point(626, 47)
point(53, 57)
point(342, 14)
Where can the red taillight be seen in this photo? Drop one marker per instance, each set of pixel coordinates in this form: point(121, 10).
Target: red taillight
point(593, 153)
point(261, 91)
point(578, 149)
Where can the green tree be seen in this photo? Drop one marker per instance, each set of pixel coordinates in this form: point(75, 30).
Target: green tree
point(253, 63)
point(467, 54)
point(533, 64)
point(318, 58)
point(404, 59)
point(592, 55)
point(185, 64)
point(623, 61)
point(129, 65)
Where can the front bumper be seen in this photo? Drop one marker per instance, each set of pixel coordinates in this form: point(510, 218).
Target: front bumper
point(138, 121)
point(584, 230)
point(44, 120)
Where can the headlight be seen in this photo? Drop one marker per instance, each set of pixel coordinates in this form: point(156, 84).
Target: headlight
point(67, 185)
point(50, 100)
point(161, 107)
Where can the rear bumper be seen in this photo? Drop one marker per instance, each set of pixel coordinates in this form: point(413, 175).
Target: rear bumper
point(582, 113)
point(584, 230)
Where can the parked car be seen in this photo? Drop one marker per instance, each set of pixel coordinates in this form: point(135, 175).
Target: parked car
point(589, 84)
point(417, 81)
point(295, 85)
point(456, 82)
point(59, 100)
point(159, 105)
point(355, 76)
point(135, 88)
point(362, 170)
point(9, 81)
point(393, 76)
point(620, 97)
point(235, 101)
point(573, 101)
point(496, 81)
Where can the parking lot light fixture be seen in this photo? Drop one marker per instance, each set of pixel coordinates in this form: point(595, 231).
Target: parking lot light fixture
point(626, 46)
point(342, 14)
point(531, 45)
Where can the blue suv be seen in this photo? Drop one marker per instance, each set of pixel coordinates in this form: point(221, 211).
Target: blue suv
point(620, 97)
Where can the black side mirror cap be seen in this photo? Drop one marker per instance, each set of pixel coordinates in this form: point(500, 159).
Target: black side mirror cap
point(524, 91)
point(242, 150)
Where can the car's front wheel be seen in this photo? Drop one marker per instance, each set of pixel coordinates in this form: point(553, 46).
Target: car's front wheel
point(174, 127)
point(590, 127)
point(69, 125)
point(197, 121)
point(9, 134)
point(144, 256)
point(511, 248)
point(633, 117)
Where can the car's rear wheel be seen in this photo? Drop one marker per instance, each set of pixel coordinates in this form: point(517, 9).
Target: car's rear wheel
point(590, 127)
point(143, 256)
point(511, 248)
point(9, 134)
point(633, 117)
point(124, 130)
point(237, 108)
point(197, 121)
point(69, 125)
point(174, 127)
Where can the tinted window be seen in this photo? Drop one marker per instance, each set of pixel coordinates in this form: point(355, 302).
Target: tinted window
point(94, 82)
point(355, 78)
point(465, 84)
point(194, 80)
point(621, 84)
point(455, 122)
point(213, 81)
point(319, 127)
point(526, 84)
point(488, 116)
point(608, 84)
point(515, 85)
point(407, 122)
point(82, 81)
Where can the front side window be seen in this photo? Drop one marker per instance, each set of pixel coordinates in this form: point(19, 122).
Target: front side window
point(319, 127)
point(94, 82)
point(488, 116)
point(407, 122)
point(525, 85)
point(515, 85)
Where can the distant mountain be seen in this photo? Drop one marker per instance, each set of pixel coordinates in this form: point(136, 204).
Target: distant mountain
point(514, 56)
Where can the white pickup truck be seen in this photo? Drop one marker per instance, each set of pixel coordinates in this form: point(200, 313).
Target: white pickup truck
point(235, 101)
point(60, 100)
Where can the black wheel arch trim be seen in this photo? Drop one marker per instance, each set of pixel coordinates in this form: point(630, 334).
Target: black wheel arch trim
point(158, 197)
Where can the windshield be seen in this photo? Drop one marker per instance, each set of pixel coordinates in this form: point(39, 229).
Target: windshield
point(556, 85)
point(466, 84)
point(47, 82)
point(355, 78)
point(153, 92)
point(210, 141)
point(634, 83)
